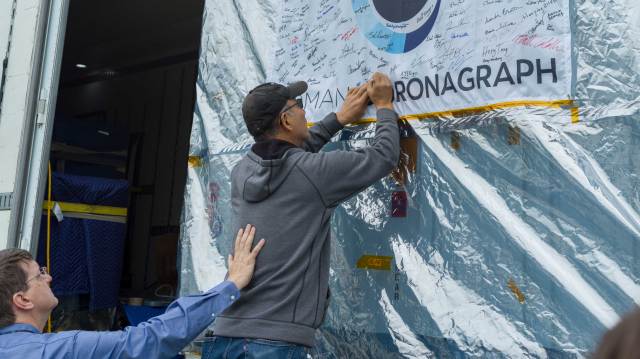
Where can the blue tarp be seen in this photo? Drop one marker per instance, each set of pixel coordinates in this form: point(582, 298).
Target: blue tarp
point(86, 255)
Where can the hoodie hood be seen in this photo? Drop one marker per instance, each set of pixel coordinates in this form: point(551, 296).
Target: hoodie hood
point(260, 177)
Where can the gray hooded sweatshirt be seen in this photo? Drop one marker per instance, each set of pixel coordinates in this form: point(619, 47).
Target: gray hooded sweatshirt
point(290, 200)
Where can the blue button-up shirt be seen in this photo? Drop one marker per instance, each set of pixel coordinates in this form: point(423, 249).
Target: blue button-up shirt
point(160, 337)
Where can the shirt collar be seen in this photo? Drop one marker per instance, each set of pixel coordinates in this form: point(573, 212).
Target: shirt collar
point(271, 149)
point(19, 327)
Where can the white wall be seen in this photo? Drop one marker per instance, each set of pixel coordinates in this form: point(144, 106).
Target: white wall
point(5, 23)
point(13, 110)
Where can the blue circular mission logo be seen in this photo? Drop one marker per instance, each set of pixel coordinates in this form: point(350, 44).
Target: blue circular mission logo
point(396, 26)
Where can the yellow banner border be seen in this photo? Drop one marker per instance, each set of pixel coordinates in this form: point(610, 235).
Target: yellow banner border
point(471, 111)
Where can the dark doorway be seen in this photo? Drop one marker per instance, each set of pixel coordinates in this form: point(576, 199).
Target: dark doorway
point(123, 119)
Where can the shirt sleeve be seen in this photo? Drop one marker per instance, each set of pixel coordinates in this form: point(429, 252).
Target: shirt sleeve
point(321, 133)
point(162, 336)
point(338, 175)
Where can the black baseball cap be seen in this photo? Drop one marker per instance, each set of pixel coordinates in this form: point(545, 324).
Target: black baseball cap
point(262, 105)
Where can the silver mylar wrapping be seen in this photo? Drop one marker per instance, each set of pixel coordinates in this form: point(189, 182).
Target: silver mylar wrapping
point(522, 229)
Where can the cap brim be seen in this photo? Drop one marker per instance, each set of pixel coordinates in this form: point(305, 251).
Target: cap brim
point(297, 88)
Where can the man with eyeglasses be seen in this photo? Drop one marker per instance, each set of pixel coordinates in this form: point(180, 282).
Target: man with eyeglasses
point(26, 301)
point(285, 185)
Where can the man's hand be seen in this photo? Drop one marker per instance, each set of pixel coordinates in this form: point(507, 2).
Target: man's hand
point(380, 91)
point(242, 263)
point(354, 105)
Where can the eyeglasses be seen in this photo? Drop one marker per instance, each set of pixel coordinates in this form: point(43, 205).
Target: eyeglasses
point(43, 272)
point(298, 103)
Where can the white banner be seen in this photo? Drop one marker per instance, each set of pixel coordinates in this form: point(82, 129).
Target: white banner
point(441, 55)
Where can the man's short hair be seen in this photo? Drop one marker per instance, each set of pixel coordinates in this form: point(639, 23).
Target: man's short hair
point(621, 341)
point(13, 279)
point(263, 104)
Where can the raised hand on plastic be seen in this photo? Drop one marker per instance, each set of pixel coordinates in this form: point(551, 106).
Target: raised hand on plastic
point(354, 105)
point(380, 91)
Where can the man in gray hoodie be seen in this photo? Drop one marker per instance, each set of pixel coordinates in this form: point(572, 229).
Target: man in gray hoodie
point(289, 190)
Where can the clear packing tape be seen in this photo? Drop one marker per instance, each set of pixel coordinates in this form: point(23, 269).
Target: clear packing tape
point(513, 232)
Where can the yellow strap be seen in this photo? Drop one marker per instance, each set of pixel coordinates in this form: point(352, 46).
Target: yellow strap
point(48, 249)
point(470, 111)
point(87, 208)
point(575, 115)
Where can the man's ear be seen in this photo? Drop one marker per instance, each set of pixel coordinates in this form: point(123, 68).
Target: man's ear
point(21, 301)
point(285, 122)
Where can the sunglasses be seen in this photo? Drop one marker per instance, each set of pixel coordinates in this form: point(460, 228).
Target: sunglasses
point(298, 103)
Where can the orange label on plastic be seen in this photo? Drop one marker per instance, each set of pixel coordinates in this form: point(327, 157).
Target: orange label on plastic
point(516, 291)
point(195, 161)
point(375, 262)
point(575, 115)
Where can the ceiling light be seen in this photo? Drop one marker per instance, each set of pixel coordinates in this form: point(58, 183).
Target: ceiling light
point(81, 66)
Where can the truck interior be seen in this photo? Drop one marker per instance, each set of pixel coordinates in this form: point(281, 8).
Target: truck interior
point(118, 159)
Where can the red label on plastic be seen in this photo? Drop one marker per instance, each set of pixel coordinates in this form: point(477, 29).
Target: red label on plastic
point(399, 204)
